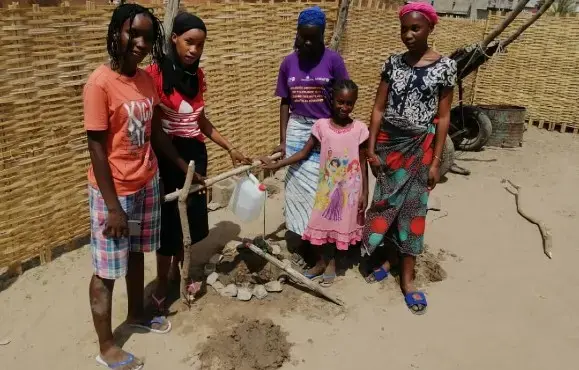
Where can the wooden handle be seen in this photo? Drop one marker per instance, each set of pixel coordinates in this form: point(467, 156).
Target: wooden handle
point(210, 182)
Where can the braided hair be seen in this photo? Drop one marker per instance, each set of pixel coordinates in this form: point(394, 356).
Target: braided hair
point(120, 15)
point(344, 84)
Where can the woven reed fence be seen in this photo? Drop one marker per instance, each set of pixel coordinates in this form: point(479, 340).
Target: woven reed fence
point(539, 71)
point(47, 54)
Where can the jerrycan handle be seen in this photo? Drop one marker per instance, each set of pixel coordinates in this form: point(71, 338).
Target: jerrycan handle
point(252, 178)
point(260, 186)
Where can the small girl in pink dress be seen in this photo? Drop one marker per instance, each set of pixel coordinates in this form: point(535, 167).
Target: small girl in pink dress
point(342, 193)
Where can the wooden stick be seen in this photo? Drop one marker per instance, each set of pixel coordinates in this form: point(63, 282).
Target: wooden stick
point(340, 24)
point(210, 182)
point(504, 24)
point(171, 10)
point(546, 6)
point(184, 193)
point(545, 232)
point(296, 276)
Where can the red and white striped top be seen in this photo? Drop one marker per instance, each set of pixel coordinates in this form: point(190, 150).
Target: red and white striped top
point(180, 114)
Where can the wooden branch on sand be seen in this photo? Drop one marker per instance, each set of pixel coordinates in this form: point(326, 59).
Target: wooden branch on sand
point(294, 275)
point(545, 232)
point(182, 204)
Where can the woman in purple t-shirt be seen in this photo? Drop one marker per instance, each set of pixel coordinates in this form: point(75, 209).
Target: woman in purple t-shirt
point(304, 86)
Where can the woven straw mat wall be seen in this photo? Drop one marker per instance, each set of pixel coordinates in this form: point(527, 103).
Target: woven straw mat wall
point(47, 54)
point(373, 33)
point(539, 70)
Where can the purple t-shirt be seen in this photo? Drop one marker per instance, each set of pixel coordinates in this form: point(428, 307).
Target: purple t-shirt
point(308, 86)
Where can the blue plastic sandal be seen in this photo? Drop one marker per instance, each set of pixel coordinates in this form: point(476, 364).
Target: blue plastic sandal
point(327, 280)
point(416, 302)
point(311, 276)
point(129, 360)
point(377, 275)
point(148, 326)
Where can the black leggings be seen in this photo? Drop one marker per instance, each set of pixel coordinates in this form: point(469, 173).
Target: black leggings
point(173, 178)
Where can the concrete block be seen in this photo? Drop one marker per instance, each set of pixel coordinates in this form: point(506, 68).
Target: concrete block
point(222, 191)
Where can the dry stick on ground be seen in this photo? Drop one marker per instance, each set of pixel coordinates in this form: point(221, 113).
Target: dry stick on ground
point(340, 24)
point(545, 232)
point(294, 275)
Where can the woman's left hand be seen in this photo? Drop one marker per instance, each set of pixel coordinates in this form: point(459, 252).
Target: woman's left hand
point(433, 176)
point(238, 158)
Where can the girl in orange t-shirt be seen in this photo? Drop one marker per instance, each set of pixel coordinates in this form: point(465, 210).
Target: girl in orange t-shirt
point(180, 84)
point(124, 197)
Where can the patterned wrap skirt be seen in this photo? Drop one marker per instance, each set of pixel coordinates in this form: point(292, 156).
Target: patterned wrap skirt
point(399, 205)
point(301, 181)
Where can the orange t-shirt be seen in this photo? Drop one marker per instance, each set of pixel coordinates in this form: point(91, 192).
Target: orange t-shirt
point(123, 106)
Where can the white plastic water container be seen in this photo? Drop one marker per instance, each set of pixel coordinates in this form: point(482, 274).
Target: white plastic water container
point(248, 198)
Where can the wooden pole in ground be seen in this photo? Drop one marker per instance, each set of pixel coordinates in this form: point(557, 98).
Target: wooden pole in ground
point(171, 10)
point(546, 6)
point(504, 24)
point(340, 24)
point(183, 194)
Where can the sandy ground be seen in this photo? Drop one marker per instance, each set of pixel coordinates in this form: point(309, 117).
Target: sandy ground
point(504, 305)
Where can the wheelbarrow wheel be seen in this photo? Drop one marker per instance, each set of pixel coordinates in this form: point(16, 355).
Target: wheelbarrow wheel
point(476, 131)
point(447, 156)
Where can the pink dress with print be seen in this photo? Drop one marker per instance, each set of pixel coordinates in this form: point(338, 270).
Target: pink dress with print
point(334, 218)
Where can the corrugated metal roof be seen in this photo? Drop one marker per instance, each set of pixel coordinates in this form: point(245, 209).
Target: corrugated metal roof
point(461, 7)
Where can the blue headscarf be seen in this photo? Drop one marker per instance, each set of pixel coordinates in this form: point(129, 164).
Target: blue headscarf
point(313, 16)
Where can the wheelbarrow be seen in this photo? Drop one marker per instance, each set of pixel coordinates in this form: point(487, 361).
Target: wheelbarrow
point(470, 128)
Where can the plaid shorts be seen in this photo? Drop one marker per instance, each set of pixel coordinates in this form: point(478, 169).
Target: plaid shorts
point(110, 256)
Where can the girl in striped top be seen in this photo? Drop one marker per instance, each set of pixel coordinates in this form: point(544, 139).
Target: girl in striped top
point(181, 84)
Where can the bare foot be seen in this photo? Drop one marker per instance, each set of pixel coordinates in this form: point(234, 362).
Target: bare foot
point(116, 358)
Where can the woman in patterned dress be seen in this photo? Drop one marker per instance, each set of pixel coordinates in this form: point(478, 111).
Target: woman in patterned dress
point(406, 144)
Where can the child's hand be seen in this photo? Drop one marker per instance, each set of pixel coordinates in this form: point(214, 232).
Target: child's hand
point(198, 179)
point(272, 166)
point(238, 158)
point(363, 202)
point(280, 149)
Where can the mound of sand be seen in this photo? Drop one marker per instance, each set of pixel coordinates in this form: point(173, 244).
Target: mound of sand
point(428, 268)
point(250, 345)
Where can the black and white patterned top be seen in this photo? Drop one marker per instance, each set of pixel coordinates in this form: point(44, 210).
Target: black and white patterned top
point(413, 92)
